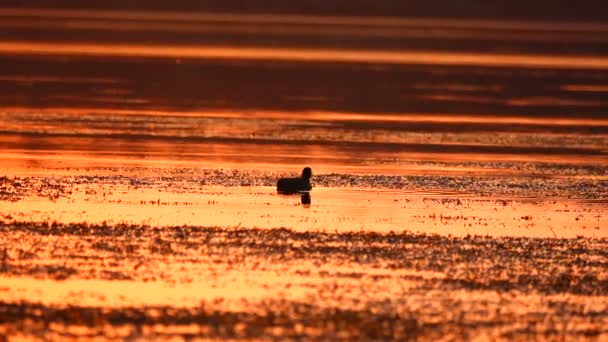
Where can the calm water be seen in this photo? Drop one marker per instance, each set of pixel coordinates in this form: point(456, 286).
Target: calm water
point(247, 90)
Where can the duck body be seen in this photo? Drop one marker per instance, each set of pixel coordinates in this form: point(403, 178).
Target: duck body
point(295, 185)
point(292, 185)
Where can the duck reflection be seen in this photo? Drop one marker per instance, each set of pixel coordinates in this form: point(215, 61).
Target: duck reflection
point(305, 199)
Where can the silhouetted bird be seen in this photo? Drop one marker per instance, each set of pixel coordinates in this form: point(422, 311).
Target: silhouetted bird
point(294, 185)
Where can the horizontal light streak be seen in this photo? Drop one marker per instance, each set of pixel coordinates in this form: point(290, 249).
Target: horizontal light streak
point(448, 118)
point(590, 88)
point(304, 55)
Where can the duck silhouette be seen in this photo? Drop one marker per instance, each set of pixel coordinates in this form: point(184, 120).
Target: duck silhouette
point(295, 185)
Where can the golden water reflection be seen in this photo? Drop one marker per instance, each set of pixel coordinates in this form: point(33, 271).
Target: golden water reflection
point(303, 55)
point(332, 209)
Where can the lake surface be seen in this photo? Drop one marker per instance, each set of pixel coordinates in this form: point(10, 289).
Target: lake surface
point(222, 90)
point(460, 176)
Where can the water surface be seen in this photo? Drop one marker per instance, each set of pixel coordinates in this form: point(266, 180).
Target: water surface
point(460, 176)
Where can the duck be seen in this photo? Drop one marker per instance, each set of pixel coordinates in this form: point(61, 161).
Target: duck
point(295, 185)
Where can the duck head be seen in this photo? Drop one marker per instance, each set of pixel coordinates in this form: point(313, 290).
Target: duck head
point(307, 173)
